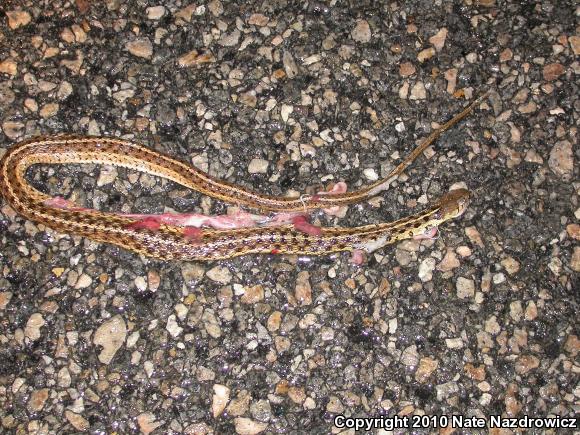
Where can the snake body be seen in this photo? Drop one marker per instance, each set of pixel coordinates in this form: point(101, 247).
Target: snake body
point(172, 242)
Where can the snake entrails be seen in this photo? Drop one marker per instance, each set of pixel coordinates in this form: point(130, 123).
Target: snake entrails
point(168, 241)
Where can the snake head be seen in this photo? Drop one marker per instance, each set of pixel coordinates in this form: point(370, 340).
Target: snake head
point(453, 204)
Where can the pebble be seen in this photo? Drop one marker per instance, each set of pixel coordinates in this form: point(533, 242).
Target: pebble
point(67, 35)
point(370, 174)
point(361, 32)
point(498, 278)
point(194, 58)
point(426, 367)
point(451, 77)
point(473, 235)
point(83, 281)
point(153, 280)
point(247, 426)
point(230, 39)
point(506, 55)
point(575, 44)
point(410, 356)
point(253, 294)
point(290, 67)
point(552, 71)
point(426, 269)
point(529, 107)
point(7, 95)
point(561, 160)
point(285, 112)
point(258, 20)
point(9, 67)
point(426, 54)
point(297, 394)
point(111, 336)
point(219, 274)
point(303, 290)
point(531, 311)
point(438, 40)
point(572, 345)
point(525, 363)
point(573, 231)
point(492, 326)
point(533, 157)
point(404, 90)
point(327, 334)
point(309, 403)
point(334, 405)
point(575, 260)
point(475, 373)
point(147, 422)
point(449, 261)
point(261, 410)
point(141, 47)
point(63, 378)
point(13, 129)
point(107, 175)
point(33, 325)
point(403, 257)
point(77, 421)
point(406, 69)
point(49, 110)
point(274, 321)
point(465, 288)
point(123, 95)
point(17, 19)
point(444, 391)
point(240, 404)
point(511, 265)
point(5, 298)
point(38, 399)
point(211, 325)
point(418, 91)
point(454, 343)
point(155, 12)
point(249, 99)
point(555, 265)
point(258, 166)
point(216, 7)
point(192, 272)
point(65, 89)
point(173, 327)
point(221, 397)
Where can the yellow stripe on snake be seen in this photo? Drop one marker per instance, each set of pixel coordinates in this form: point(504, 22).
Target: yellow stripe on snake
point(165, 240)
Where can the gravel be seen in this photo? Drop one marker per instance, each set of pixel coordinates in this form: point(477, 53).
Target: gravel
point(287, 98)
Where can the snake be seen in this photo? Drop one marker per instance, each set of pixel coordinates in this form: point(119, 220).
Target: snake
point(166, 241)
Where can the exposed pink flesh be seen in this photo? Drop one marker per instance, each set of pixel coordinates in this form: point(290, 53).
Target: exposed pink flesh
point(430, 234)
point(149, 223)
point(60, 202)
point(283, 218)
point(357, 257)
point(222, 222)
point(192, 233)
point(301, 224)
point(193, 221)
